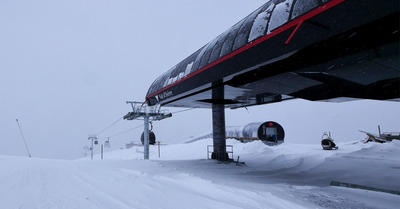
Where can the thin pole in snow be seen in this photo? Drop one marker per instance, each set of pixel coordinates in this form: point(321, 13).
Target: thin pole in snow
point(102, 151)
point(26, 146)
point(158, 148)
point(146, 136)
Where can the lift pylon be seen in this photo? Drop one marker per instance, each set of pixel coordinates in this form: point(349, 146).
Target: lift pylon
point(147, 113)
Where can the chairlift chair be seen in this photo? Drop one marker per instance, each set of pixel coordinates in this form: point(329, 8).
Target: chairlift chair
point(107, 143)
point(327, 142)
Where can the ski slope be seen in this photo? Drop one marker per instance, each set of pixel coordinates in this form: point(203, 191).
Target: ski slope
point(285, 176)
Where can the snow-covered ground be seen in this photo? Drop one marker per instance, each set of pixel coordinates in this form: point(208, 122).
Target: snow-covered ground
point(284, 176)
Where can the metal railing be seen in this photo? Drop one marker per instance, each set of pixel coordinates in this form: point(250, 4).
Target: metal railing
point(229, 150)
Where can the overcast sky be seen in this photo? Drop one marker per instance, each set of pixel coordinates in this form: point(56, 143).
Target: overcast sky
point(68, 67)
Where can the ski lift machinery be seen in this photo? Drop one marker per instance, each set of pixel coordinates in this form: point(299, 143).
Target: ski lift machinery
point(147, 113)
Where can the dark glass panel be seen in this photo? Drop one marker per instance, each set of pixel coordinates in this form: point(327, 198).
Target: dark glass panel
point(227, 46)
point(207, 53)
point(301, 7)
point(259, 27)
point(280, 15)
point(196, 63)
point(243, 33)
point(217, 48)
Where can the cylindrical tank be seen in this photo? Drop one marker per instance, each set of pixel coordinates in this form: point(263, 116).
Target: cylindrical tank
point(152, 138)
point(270, 132)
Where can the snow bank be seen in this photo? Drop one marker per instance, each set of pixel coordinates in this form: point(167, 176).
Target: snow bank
point(285, 176)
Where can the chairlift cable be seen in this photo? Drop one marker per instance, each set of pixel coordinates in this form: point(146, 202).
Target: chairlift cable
point(183, 110)
point(134, 127)
point(126, 131)
point(110, 126)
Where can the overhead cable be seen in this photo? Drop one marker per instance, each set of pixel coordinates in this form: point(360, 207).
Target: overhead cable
point(134, 127)
point(126, 131)
point(183, 110)
point(110, 126)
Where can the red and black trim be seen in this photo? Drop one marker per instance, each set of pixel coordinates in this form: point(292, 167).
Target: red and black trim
point(318, 26)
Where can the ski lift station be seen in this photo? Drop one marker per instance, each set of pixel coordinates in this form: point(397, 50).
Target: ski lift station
point(331, 50)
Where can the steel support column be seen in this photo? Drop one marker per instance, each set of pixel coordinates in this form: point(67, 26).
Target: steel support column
point(146, 137)
point(218, 118)
point(147, 113)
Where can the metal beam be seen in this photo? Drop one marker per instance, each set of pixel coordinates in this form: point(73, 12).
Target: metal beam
point(218, 119)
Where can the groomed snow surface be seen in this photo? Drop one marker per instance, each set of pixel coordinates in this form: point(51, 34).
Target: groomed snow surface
point(284, 176)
